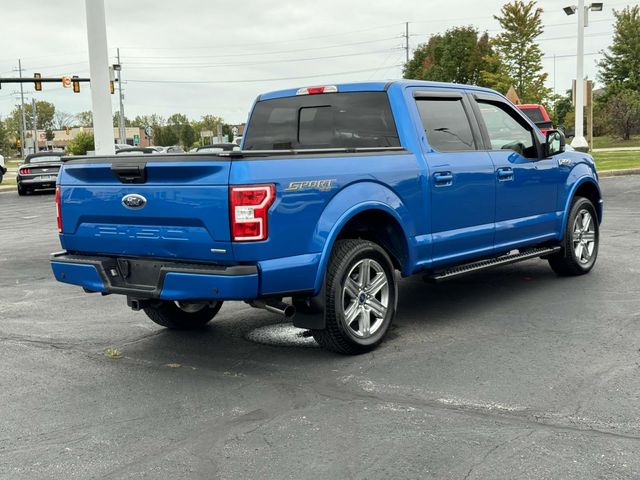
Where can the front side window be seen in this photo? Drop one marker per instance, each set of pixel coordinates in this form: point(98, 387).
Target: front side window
point(505, 132)
point(446, 124)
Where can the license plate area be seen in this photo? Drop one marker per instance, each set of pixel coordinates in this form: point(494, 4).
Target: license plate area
point(135, 273)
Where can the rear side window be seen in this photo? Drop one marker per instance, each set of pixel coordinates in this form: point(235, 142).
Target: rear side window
point(446, 124)
point(334, 120)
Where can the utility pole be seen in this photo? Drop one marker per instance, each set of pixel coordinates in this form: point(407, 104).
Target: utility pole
point(555, 100)
point(34, 115)
point(406, 40)
point(23, 124)
point(121, 124)
point(99, 69)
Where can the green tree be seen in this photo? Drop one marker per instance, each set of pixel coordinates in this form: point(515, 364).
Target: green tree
point(148, 120)
point(164, 136)
point(82, 143)
point(457, 56)
point(46, 116)
point(517, 49)
point(116, 120)
point(620, 65)
point(623, 113)
point(208, 122)
point(187, 135)
point(562, 108)
point(5, 146)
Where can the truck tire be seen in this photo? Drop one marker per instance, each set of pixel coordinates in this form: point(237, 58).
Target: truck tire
point(182, 316)
point(580, 242)
point(360, 297)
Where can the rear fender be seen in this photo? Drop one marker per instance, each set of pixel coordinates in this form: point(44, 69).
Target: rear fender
point(346, 205)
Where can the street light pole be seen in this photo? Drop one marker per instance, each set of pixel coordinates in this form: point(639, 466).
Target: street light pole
point(579, 142)
point(99, 69)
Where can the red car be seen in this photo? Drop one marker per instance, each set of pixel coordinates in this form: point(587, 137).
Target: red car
point(538, 115)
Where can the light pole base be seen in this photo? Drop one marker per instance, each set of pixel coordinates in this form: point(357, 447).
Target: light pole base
point(580, 144)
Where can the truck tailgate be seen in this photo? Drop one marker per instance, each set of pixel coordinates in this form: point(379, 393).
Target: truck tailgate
point(181, 209)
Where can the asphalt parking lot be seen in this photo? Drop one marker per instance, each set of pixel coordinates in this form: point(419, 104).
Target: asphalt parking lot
point(513, 373)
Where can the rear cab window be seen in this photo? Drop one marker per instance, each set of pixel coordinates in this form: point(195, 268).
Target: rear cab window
point(332, 120)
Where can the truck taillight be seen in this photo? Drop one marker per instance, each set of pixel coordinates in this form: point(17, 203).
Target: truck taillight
point(249, 208)
point(25, 171)
point(58, 212)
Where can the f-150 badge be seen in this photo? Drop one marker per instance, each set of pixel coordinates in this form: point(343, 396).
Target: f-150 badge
point(300, 185)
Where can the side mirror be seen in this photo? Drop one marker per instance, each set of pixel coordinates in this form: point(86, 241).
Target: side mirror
point(555, 143)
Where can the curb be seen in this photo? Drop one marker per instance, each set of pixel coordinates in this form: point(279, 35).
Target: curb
point(619, 173)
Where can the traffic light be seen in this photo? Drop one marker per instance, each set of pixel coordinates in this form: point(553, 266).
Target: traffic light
point(37, 82)
point(112, 88)
point(18, 143)
point(76, 84)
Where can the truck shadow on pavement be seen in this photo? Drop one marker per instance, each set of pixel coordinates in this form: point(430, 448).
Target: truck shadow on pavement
point(422, 308)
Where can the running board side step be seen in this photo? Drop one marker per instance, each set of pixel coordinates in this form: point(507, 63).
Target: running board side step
point(459, 270)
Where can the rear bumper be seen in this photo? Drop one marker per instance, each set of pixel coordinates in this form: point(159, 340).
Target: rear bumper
point(37, 183)
point(153, 278)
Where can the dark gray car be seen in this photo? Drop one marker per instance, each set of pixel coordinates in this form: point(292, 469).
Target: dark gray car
point(39, 172)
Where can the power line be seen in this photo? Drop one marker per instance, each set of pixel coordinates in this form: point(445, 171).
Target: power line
point(140, 65)
point(253, 54)
point(208, 47)
point(255, 80)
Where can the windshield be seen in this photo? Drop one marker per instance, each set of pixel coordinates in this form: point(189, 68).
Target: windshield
point(335, 120)
point(45, 159)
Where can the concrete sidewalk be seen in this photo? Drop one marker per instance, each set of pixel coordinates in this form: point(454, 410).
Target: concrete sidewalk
point(616, 149)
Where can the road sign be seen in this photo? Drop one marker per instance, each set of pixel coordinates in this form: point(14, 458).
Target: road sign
point(206, 133)
point(66, 82)
point(136, 139)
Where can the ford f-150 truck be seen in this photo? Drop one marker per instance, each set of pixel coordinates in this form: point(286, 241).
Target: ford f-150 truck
point(336, 188)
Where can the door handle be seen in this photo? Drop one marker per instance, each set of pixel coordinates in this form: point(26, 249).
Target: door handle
point(443, 179)
point(505, 174)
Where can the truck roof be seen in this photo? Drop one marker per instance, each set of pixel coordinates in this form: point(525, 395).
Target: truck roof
point(372, 87)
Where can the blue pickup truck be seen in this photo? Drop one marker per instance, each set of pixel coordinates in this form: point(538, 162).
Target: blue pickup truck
point(336, 188)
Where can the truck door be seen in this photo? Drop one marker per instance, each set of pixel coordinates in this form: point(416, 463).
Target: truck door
point(461, 178)
point(526, 184)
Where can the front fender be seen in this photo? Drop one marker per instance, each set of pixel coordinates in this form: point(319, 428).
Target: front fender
point(579, 175)
point(347, 204)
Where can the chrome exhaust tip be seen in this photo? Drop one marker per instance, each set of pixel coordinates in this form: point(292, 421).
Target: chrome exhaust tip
point(274, 306)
